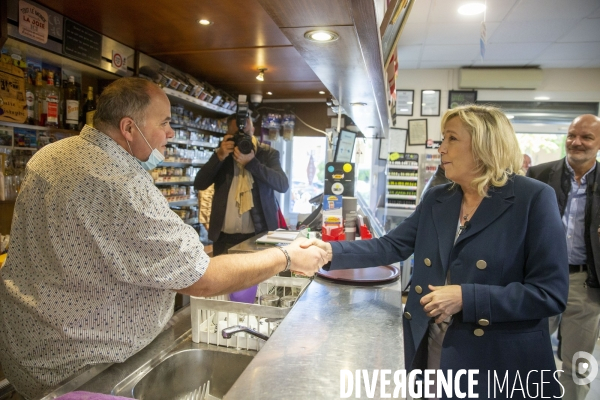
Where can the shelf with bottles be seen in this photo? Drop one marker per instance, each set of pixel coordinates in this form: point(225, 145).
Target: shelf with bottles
point(196, 103)
point(402, 181)
point(429, 166)
point(177, 201)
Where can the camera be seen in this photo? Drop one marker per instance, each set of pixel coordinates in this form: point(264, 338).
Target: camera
point(242, 140)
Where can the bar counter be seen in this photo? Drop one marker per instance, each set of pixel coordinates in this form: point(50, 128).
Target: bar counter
point(331, 327)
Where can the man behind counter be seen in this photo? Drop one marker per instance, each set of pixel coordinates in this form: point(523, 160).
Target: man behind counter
point(96, 254)
point(244, 199)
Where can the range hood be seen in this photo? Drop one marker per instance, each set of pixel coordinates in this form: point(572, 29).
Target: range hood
point(351, 67)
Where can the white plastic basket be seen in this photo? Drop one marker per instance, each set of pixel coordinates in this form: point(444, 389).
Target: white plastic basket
point(211, 315)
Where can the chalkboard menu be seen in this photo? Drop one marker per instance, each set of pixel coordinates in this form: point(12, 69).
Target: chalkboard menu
point(82, 43)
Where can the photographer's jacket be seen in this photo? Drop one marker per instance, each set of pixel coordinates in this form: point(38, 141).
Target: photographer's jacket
point(268, 176)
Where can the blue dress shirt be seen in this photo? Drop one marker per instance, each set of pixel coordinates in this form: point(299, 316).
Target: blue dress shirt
point(574, 218)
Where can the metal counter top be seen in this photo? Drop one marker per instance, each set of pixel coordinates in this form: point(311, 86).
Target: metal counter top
point(331, 327)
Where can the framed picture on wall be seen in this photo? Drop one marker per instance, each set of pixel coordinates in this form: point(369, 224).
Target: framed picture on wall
point(395, 142)
point(417, 132)
point(404, 102)
point(430, 103)
point(461, 97)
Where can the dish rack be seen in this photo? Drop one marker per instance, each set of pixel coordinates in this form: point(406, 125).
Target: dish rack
point(210, 315)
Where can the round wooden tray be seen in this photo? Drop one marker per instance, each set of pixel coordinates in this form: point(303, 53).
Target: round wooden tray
point(380, 274)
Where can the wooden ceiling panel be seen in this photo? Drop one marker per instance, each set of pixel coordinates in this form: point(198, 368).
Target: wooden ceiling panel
point(283, 64)
point(306, 13)
point(156, 26)
point(287, 90)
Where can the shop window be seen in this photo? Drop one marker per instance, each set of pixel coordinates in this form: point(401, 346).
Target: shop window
point(307, 173)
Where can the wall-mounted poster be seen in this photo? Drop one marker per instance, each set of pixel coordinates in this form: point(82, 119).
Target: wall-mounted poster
point(430, 103)
point(461, 97)
point(404, 102)
point(394, 143)
point(417, 132)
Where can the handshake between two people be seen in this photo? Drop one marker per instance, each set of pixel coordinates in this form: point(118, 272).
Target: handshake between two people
point(308, 255)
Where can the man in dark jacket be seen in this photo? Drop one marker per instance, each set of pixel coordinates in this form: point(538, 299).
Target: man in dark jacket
point(575, 180)
point(244, 200)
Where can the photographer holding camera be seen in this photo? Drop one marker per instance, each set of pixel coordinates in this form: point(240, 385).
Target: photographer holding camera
point(246, 174)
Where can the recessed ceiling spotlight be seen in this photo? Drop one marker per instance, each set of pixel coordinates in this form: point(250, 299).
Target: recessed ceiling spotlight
point(321, 36)
point(270, 93)
point(471, 9)
point(321, 92)
point(541, 98)
point(205, 22)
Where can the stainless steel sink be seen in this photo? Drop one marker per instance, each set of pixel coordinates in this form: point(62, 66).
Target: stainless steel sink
point(184, 370)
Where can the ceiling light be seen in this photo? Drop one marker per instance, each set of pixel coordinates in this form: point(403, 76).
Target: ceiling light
point(321, 36)
point(270, 93)
point(510, 116)
point(205, 22)
point(541, 98)
point(358, 104)
point(321, 92)
point(471, 9)
point(261, 74)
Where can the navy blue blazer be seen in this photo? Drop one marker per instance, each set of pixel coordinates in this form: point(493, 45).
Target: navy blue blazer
point(510, 263)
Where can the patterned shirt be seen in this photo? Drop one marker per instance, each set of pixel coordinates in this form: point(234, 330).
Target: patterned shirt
point(95, 257)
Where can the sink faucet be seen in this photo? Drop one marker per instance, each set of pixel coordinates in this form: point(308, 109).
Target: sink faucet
point(232, 330)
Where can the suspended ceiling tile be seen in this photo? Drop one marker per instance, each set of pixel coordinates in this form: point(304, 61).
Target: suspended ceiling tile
point(531, 31)
point(458, 33)
point(501, 63)
point(463, 52)
point(440, 64)
point(420, 12)
point(514, 51)
point(587, 30)
point(409, 53)
point(531, 10)
point(447, 11)
point(571, 51)
point(406, 64)
point(413, 34)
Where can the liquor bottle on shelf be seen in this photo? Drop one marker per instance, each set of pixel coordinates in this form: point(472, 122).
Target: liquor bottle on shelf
point(31, 103)
point(89, 108)
point(61, 101)
point(51, 102)
point(71, 105)
point(40, 96)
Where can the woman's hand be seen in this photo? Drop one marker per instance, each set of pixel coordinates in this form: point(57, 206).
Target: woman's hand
point(442, 302)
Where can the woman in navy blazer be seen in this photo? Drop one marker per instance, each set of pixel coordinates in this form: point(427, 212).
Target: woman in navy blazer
point(490, 263)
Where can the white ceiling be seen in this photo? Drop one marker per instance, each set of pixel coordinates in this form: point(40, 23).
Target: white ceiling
point(545, 33)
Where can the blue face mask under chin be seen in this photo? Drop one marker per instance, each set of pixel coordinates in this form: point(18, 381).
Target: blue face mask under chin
point(156, 157)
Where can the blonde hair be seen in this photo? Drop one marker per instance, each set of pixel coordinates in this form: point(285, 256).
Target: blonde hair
point(494, 145)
